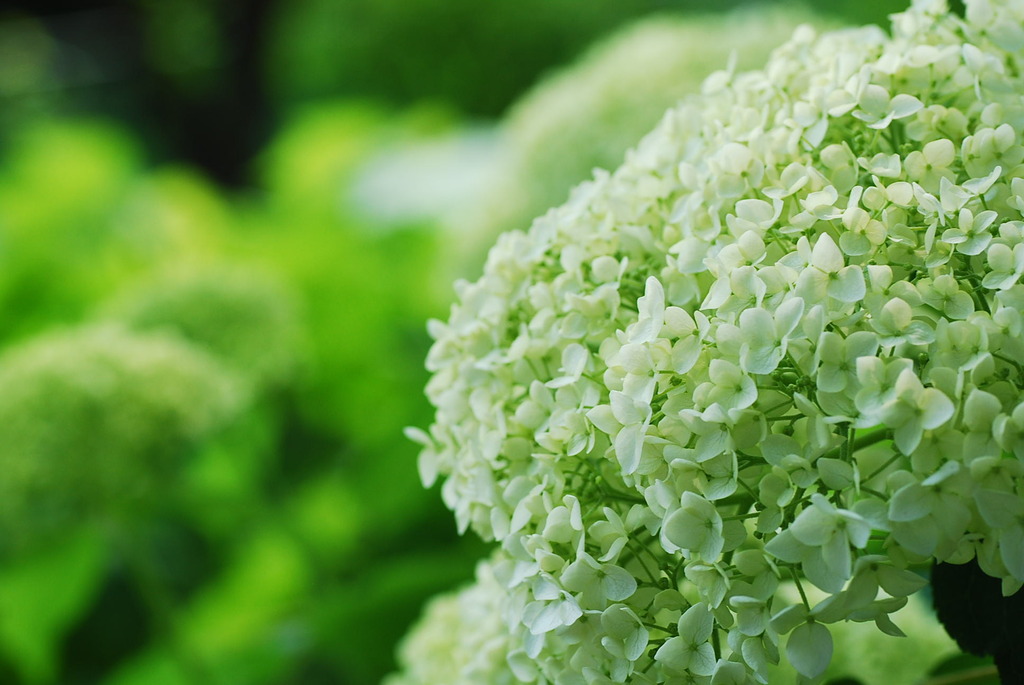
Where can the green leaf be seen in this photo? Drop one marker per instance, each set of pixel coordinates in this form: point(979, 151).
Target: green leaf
point(968, 664)
point(42, 595)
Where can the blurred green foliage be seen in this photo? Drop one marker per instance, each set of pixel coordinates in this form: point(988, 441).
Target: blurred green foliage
point(205, 478)
point(477, 59)
point(249, 323)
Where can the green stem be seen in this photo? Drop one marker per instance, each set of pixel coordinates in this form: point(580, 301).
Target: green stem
point(800, 588)
point(778, 406)
point(750, 490)
point(655, 626)
point(608, 494)
point(875, 493)
point(1015, 364)
point(859, 443)
point(643, 564)
point(851, 433)
point(883, 467)
point(979, 675)
point(791, 418)
point(979, 299)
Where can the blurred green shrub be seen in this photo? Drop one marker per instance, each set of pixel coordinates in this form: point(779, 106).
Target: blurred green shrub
point(42, 594)
point(320, 147)
point(171, 214)
point(473, 56)
point(246, 319)
point(68, 231)
point(76, 200)
point(92, 420)
point(366, 289)
point(478, 58)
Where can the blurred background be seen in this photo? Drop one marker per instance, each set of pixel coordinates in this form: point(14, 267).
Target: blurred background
point(223, 227)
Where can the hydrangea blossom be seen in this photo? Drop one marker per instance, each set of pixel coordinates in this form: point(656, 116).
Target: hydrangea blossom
point(779, 345)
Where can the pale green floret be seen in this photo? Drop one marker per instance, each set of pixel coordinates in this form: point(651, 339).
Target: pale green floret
point(241, 316)
point(92, 420)
point(780, 344)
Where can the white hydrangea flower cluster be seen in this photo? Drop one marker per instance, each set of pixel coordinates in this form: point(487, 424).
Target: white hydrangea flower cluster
point(782, 342)
point(588, 114)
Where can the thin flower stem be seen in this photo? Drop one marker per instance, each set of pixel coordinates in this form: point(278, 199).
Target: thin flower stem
point(979, 298)
point(850, 435)
point(790, 418)
point(859, 443)
point(800, 588)
point(883, 467)
point(676, 570)
point(621, 497)
point(643, 564)
point(979, 675)
point(875, 493)
point(780, 405)
point(1015, 364)
point(749, 489)
point(655, 626)
point(741, 517)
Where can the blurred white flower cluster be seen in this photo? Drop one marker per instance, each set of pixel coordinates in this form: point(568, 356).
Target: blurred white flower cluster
point(588, 114)
point(781, 346)
point(464, 639)
point(95, 421)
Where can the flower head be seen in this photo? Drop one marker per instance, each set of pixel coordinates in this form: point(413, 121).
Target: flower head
point(755, 356)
